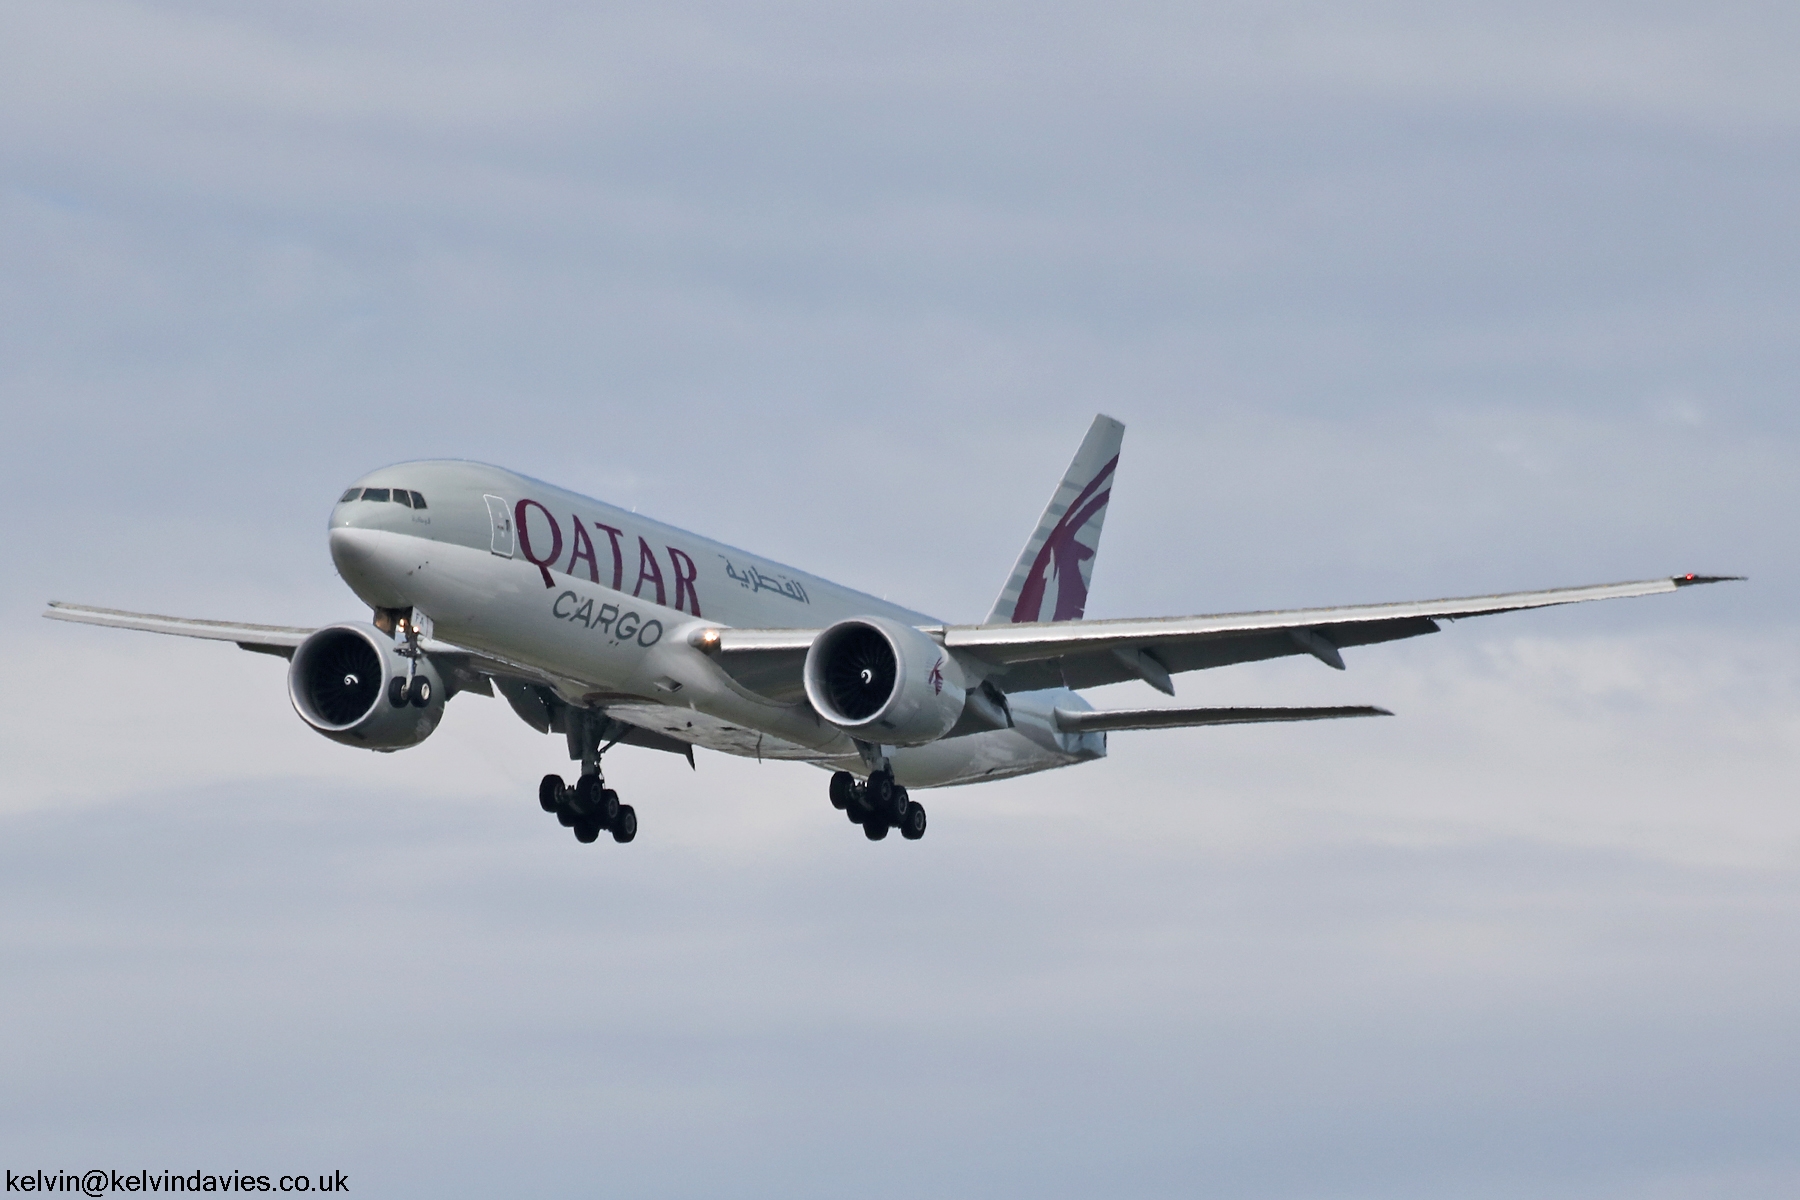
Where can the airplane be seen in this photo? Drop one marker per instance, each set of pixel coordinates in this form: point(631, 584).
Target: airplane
point(612, 629)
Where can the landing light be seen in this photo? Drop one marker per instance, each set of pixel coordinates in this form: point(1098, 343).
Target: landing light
point(705, 640)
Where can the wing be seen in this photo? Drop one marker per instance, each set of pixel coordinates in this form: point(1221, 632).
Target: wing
point(470, 672)
point(263, 639)
point(1089, 653)
point(532, 693)
point(1078, 654)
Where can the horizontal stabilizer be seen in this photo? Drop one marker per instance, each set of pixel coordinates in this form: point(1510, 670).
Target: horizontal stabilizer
point(1071, 721)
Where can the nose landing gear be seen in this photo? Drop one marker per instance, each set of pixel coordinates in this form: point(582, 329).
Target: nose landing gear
point(415, 691)
point(407, 630)
point(878, 805)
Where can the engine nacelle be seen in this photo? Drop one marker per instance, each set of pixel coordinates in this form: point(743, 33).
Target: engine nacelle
point(884, 682)
point(340, 683)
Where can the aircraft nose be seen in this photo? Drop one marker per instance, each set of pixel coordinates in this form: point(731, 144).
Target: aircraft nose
point(350, 552)
point(366, 564)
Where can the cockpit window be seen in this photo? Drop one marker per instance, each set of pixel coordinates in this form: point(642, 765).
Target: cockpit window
point(384, 495)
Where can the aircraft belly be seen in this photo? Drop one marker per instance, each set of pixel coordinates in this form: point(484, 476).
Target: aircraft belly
point(710, 733)
point(976, 758)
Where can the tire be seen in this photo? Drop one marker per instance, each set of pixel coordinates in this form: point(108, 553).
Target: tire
point(880, 792)
point(397, 692)
point(912, 821)
point(843, 789)
point(624, 826)
point(596, 801)
point(418, 692)
point(896, 813)
point(551, 793)
point(856, 813)
point(875, 830)
point(566, 819)
point(587, 830)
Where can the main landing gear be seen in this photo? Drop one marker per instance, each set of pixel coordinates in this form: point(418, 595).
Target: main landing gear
point(590, 806)
point(878, 805)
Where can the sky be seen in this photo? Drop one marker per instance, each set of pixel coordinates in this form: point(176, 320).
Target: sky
point(1396, 300)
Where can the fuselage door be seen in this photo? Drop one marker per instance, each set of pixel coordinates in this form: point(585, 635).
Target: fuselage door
point(502, 519)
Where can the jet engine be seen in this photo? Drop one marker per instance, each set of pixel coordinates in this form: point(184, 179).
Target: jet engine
point(884, 682)
point(350, 682)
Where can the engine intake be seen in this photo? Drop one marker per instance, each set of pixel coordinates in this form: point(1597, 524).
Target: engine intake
point(884, 682)
point(341, 683)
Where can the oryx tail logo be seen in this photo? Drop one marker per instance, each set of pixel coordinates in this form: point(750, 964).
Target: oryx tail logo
point(936, 678)
point(1064, 560)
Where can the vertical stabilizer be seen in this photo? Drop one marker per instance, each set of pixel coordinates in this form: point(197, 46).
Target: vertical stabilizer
point(1050, 581)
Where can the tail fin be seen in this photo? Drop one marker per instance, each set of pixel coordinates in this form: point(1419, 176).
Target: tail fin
point(1050, 582)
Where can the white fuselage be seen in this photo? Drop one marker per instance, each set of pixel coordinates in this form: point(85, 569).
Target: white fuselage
point(603, 601)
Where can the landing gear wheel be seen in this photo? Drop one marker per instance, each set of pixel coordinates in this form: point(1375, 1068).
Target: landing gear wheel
point(912, 821)
point(593, 799)
point(587, 830)
point(552, 793)
point(397, 692)
point(856, 813)
point(418, 692)
point(880, 792)
point(624, 826)
point(843, 789)
point(566, 818)
point(875, 829)
point(896, 813)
